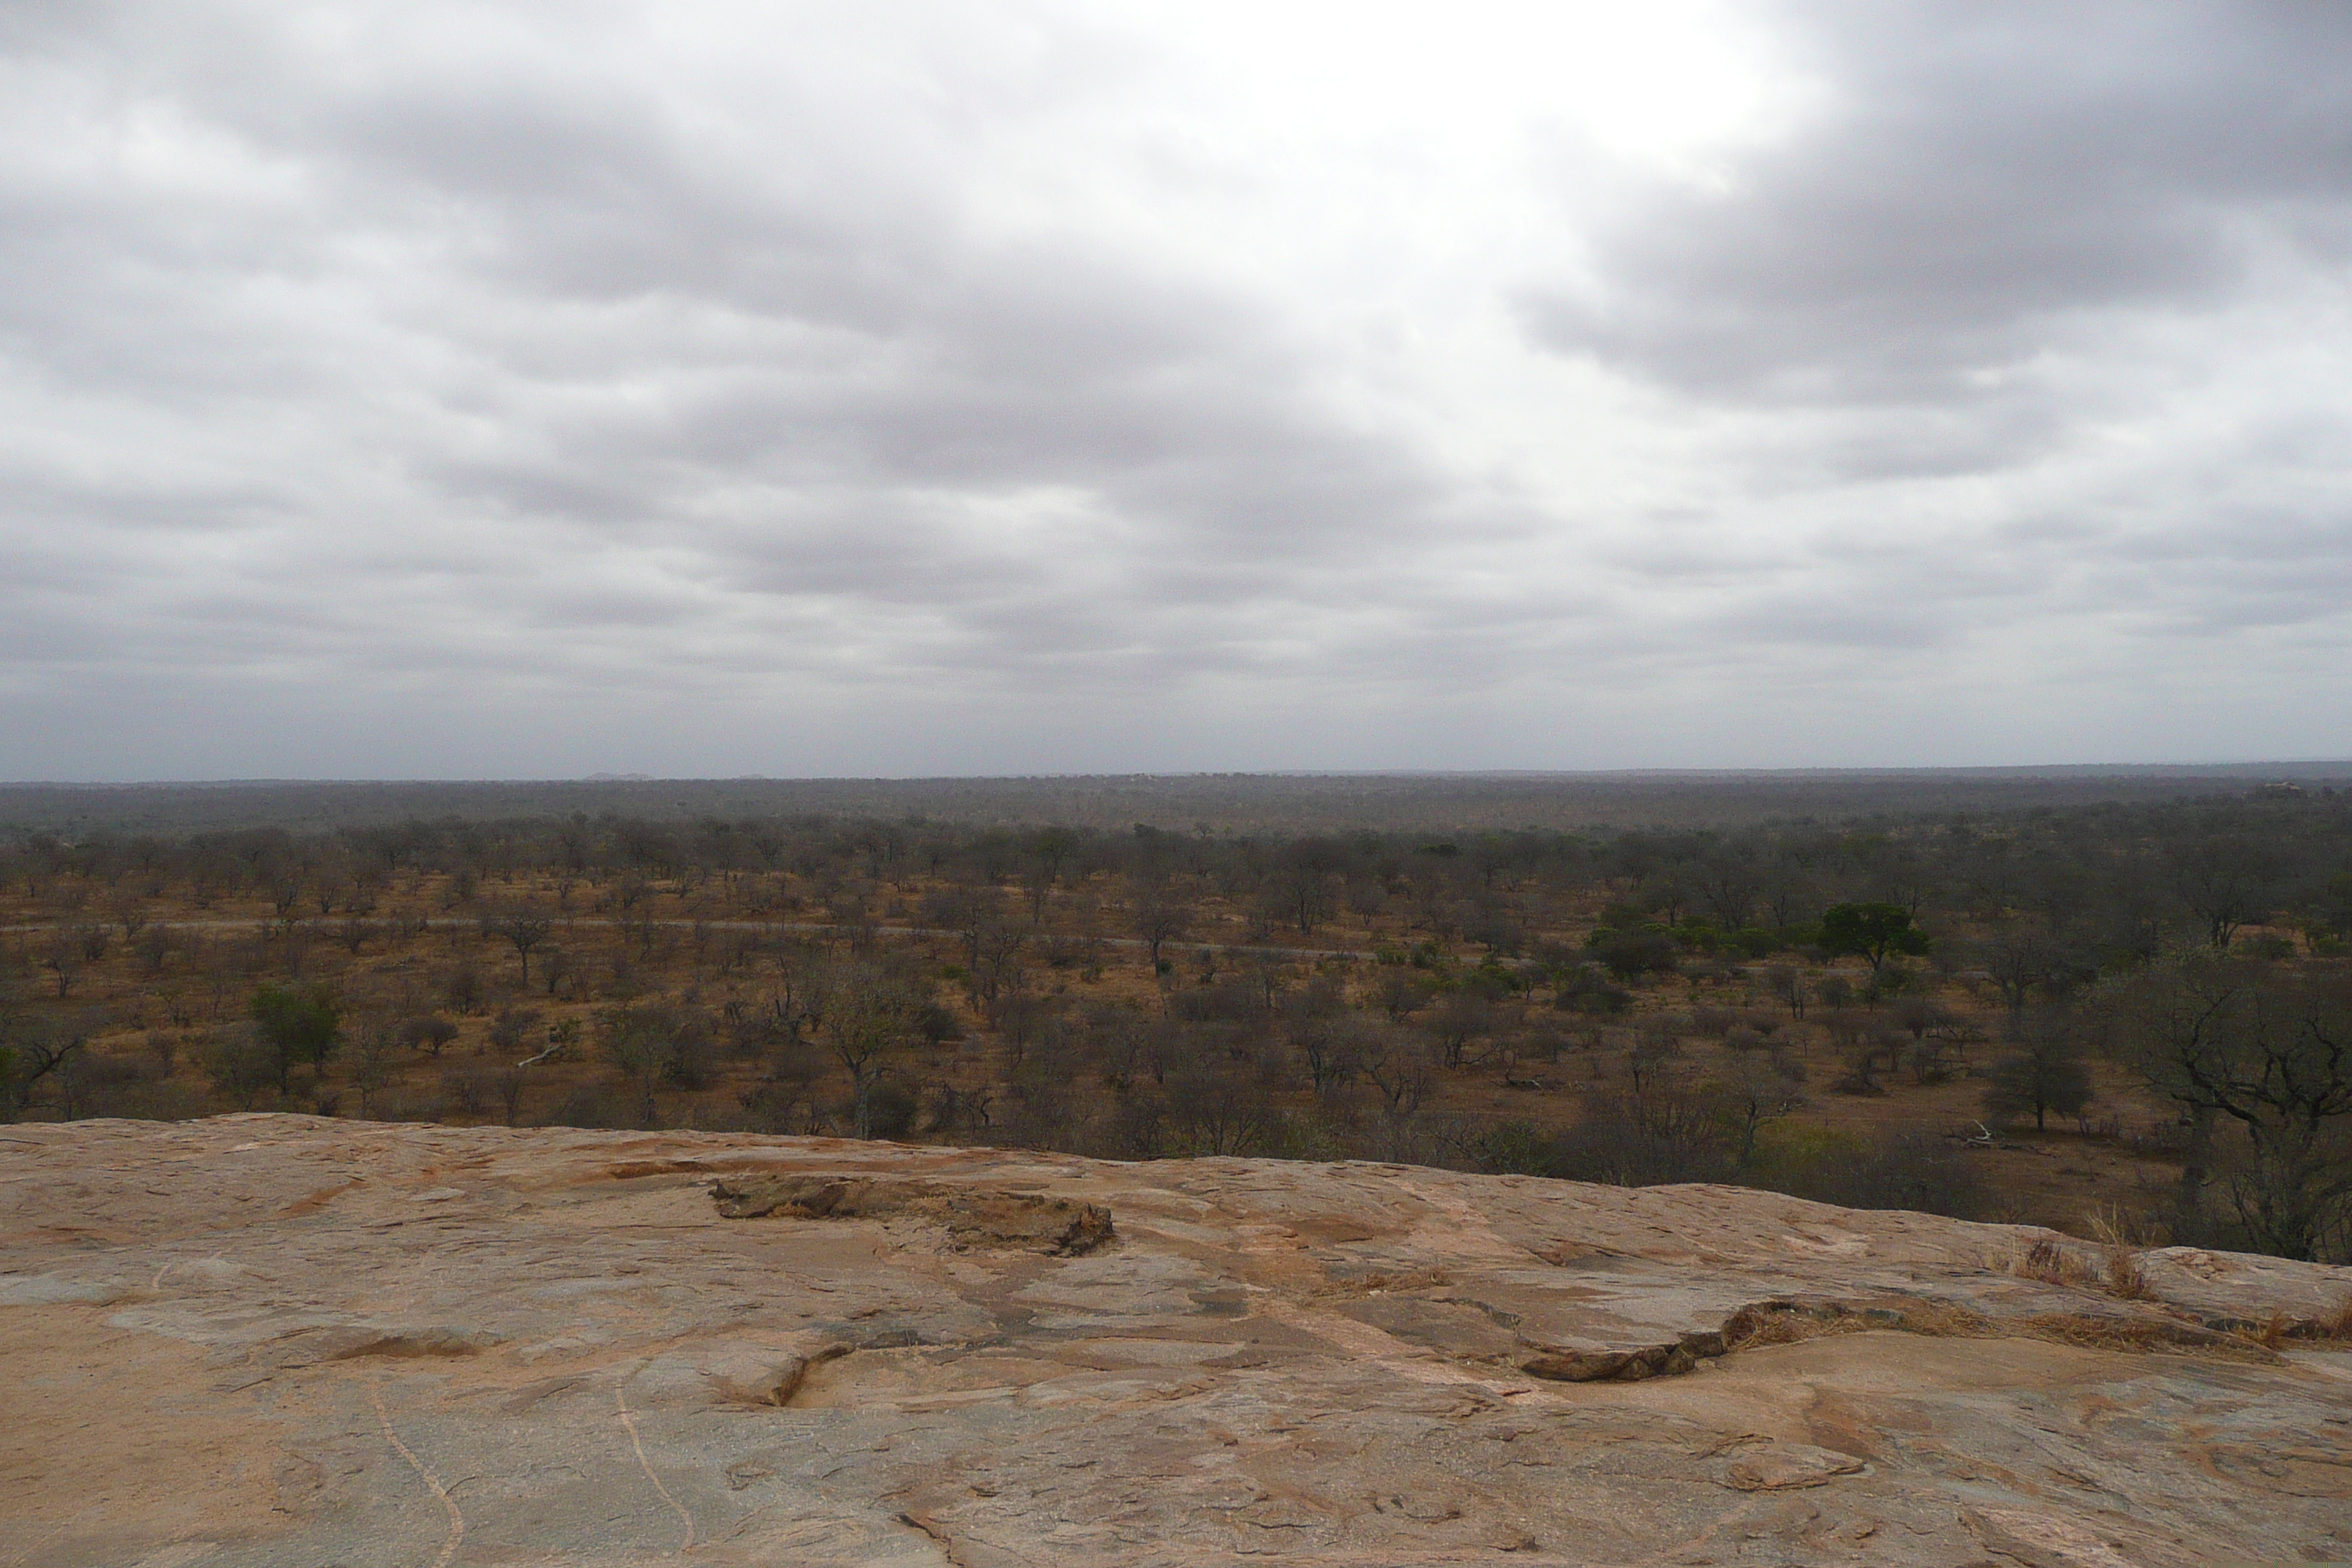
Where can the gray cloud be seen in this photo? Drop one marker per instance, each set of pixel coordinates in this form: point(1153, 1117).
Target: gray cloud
point(497, 389)
point(1986, 183)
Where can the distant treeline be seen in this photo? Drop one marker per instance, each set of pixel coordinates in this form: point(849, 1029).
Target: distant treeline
point(1241, 803)
point(2106, 883)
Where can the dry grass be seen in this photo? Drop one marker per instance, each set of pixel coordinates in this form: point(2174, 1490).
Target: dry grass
point(1381, 1284)
point(2054, 1264)
point(2335, 1327)
point(2124, 1280)
point(1752, 1326)
point(2112, 1225)
point(2124, 1237)
point(2118, 1272)
point(1791, 1322)
point(2144, 1336)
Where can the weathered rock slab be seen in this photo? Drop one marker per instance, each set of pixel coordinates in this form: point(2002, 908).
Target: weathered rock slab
point(280, 1341)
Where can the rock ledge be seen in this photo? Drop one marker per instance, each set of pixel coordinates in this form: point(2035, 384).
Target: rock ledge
point(281, 1341)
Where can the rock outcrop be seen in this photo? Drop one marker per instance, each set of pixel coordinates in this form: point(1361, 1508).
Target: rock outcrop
point(271, 1339)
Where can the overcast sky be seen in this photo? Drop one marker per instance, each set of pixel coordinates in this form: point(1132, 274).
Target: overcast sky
point(529, 390)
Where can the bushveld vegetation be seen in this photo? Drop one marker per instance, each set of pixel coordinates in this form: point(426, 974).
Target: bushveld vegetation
point(2132, 1017)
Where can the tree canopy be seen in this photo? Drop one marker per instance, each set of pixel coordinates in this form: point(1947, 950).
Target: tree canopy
point(1874, 932)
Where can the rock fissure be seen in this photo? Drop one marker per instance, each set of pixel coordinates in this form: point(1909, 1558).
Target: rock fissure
point(972, 1216)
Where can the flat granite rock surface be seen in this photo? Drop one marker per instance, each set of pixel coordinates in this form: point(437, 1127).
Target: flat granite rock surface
point(284, 1340)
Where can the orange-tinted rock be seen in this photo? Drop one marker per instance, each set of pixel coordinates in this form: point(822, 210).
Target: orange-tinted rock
point(280, 1340)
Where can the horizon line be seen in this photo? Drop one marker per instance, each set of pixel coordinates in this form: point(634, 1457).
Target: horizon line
point(1813, 770)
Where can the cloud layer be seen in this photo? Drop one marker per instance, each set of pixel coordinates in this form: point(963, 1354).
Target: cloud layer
point(525, 389)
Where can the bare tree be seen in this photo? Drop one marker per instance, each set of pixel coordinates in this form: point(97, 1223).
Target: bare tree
point(1729, 883)
point(869, 1015)
point(2272, 1054)
point(524, 929)
point(63, 959)
point(1333, 1050)
point(996, 964)
point(643, 1043)
point(372, 1059)
point(1038, 879)
point(1786, 887)
point(2044, 1074)
point(1400, 1074)
point(1457, 1024)
point(30, 1053)
point(2018, 960)
point(1755, 1090)
point(1305, 880)
point(131, 914)
point(508, 1083)
point(2226, 882)
point(1160, 918)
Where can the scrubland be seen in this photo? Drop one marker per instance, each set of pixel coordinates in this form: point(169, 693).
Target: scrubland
point(1993, 1013)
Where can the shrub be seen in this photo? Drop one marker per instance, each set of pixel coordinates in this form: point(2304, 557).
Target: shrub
point(1518, 1147)
point(512, 1027)
point(461, 988)
point(1903, 1172)
point(242, 1065)
point(1643, 1140)
point(467, 1088)
point(1587, 990)
point(892, 1110)
point(1630, 954)
point(593, 1105)
point(430, 1034)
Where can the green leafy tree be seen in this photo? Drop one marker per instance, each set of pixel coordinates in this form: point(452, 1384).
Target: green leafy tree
point(299, 1024)
point(1874, 932)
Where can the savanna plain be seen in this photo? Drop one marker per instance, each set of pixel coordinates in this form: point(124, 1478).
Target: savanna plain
point(1830, 1131)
